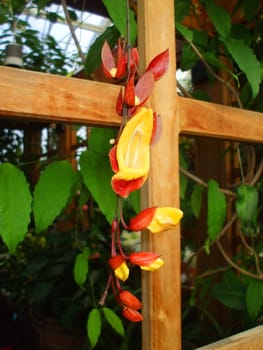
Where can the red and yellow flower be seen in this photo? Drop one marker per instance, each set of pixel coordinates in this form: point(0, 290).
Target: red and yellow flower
point(120, 267)
point(156, 219)
point(130, 158)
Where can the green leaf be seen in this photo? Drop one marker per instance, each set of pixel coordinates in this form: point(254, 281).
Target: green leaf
point(184, 31)
point(52, 193)
point(254, 298)
point(231, 292)
point(15, 205)
point(220, 19)
point(81, 267)
point(246, 203)
point(134, 199)
point(117, 12)
point(188, 58)
point(96, 170)
point(182, 9)
point(97, 175)
point(94, 327)
point(183, 178)
point(93, 58)
point(246, 61)
point(216, 209)
point(196, 199)
point(114, 320)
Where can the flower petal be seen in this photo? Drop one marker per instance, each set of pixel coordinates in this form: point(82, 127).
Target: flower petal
point(159, 64)
point(164, 219)
point(133, 148)
point(108, 63)
point(124, 187)
point(155, 265)
point(142, 220)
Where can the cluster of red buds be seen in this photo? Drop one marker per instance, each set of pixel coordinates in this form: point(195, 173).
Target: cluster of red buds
point(130, 162)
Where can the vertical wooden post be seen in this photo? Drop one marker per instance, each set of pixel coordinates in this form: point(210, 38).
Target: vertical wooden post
point(161, 289)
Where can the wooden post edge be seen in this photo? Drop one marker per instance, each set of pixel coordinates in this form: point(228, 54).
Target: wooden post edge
point(251, 339)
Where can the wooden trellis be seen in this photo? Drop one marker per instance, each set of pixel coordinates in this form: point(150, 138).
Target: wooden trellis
point(35, 96)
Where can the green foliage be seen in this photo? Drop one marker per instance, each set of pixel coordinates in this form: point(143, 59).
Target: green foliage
point(231, 291)
point(216, 210)
point(117, 11)
point(81, 267)
point(254, 298)
point(96, 170)
point(196, 199)
point(94, 326)
point(15, 205)
point(114, 320)
point(52, 193)
point(246, 203)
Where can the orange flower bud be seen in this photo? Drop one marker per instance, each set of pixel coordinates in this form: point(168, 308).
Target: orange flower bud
point(130, 300)
point(143, 258)
point(132, 315)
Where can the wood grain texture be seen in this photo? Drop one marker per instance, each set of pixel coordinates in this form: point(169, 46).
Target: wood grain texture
point(209, 119)
point(47, 97)
point(161, 289)
point(251, 339)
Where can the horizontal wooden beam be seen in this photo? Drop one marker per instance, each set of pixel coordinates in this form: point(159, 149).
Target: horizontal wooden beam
point(47, 97)
point(213, 120)
point(250, 339)
point(29, 95)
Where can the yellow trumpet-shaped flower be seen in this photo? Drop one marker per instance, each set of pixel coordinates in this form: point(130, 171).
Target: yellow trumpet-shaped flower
point(131, 158)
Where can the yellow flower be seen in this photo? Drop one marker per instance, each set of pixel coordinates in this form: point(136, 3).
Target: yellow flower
point(130, 159)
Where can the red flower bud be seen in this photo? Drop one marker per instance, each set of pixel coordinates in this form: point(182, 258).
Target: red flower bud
point(130, 300)
point(132, 315)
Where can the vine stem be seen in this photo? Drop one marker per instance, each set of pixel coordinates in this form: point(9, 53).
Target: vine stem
point(72, 32)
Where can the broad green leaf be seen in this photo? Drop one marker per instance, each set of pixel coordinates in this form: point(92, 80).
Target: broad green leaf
point(246, 61)
point(93, 58)
point(231, 292)
point(81, 267)
point(246, 203)
point(96, 170)
point(97, 173)
point(117, 12)
point(216, 209)
point(134, 199)
point(15, 205)
point(254, 298)
point(188, 58)
point(99, 140)
point(114, 320)
point(220, 19)
point(196, 199)
point(94, 327)
point(187, 33)
point(52, 193)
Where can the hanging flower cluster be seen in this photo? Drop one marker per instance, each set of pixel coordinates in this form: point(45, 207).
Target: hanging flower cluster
point(130, 162)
